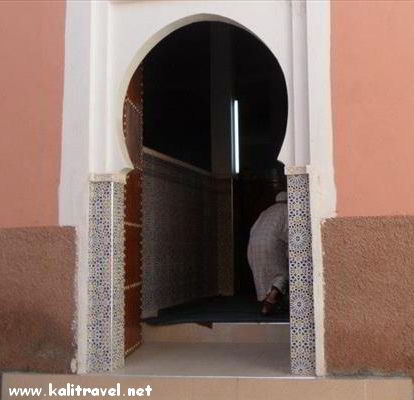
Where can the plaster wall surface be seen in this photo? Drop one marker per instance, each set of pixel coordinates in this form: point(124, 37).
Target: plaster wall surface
point(373, 102)
point(37, 297)
point(369, 309)
point(31, 100)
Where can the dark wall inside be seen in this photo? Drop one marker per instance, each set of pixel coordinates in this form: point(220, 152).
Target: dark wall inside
point(261, 90)
point(177, 96)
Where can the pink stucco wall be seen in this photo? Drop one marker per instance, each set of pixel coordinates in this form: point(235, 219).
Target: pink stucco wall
point(31, 96)
point(373, 106)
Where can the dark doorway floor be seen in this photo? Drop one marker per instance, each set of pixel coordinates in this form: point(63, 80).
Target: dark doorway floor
point(218, 309)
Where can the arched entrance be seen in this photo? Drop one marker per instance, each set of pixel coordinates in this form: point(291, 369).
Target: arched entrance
point(97, 95)
point(133, 130)
point(199, 202)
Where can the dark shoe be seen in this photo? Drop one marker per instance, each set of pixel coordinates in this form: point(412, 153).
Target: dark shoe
point(272, 302)
point(269, 308)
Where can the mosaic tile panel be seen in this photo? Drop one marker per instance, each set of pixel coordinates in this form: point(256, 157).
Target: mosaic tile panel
point(106, 276)
point(302, 329)
point(179, 235)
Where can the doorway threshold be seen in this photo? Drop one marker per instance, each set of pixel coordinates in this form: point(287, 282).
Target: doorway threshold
point(170, 359)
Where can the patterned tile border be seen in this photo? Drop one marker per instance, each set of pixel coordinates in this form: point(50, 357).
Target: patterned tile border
point(106, 276)
point(302, 325)
point(179, 260)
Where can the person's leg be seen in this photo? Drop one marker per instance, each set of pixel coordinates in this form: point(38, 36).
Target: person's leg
point(279, 282)
point(258, 268)
point(271, 303)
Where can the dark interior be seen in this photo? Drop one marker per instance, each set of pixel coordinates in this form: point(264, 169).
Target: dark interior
point(177, 96)
point(177, 122)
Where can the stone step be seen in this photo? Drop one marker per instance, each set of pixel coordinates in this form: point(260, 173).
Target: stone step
point(213, 388)
point(218, 333)
point(209, 359)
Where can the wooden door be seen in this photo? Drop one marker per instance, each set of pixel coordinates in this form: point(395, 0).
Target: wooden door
point(133, 130)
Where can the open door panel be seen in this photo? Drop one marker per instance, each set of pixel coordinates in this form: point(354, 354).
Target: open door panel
point(133, 129)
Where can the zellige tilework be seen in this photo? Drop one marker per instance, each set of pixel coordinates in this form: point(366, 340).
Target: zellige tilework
point(106, 261)
point(179, 235)
point(106, 276)
point(302, 330)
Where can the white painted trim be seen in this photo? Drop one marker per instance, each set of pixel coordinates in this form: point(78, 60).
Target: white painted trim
point(300, 84)
point(136, 27)
point(321, 170)
point(287, 151)
point(74, 174)
point(99, 71)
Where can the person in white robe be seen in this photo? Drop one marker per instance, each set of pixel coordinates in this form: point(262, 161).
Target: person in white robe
point(267, 254)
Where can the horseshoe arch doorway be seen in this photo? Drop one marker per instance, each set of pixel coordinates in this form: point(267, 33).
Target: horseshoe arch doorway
point(203, 126)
